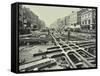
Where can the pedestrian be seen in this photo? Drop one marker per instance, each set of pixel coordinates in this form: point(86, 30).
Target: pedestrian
point(69, 34)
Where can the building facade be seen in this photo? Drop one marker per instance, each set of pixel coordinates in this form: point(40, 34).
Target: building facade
point(84, 18)
point(73, 19)
point(79, 17)
point(28, 21)
point(67, 20)
point(88, 18)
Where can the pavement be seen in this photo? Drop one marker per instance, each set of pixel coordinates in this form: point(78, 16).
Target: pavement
point(26, 52)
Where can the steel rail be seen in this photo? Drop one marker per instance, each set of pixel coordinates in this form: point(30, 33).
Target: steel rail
point(67, 57)
point(84, 60)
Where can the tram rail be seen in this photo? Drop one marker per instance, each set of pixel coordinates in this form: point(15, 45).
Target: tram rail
point(84, 61)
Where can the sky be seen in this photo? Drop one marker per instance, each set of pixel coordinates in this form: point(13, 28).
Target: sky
point(49, 14)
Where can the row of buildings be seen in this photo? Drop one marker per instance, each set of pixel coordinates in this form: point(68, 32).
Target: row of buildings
point(85, 18)
point(29, 21)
